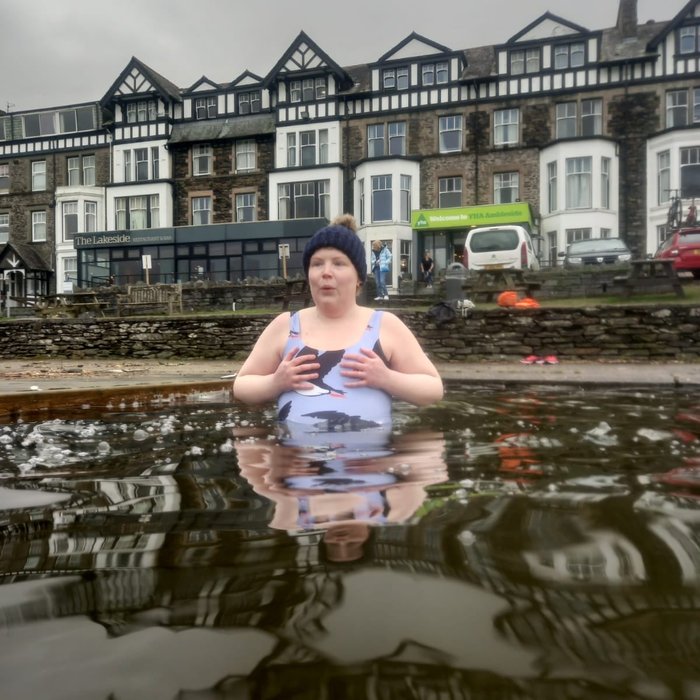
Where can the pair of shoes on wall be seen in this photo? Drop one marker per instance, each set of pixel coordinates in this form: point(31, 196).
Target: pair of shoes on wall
point(536, 359)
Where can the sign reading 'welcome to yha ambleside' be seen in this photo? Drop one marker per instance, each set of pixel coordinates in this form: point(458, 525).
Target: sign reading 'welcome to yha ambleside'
point(463, 217)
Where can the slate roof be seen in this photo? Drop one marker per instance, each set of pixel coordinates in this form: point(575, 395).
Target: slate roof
point(224, 128)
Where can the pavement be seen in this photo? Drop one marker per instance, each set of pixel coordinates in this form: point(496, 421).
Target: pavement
point(23, 378)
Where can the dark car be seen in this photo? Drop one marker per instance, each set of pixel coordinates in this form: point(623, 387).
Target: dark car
point(597, 251)
point(683, 247)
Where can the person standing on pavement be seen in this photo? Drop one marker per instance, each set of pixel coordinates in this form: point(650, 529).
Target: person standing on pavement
point(381, 262)
point(427, 266)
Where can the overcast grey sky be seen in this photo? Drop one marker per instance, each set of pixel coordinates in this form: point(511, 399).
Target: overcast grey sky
point(58, 52)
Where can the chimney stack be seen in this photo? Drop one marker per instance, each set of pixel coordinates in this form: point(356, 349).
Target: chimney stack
point(627, 19)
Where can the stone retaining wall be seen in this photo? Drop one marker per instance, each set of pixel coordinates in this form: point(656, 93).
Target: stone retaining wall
point(629, 333)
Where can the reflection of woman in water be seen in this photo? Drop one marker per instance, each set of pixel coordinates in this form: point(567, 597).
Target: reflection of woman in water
point(343, 490)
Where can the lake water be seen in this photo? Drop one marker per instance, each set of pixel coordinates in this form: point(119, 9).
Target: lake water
point(512, 542)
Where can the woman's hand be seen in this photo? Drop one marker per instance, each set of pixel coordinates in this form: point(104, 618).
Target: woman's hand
point(365, 368)
point(295, 372)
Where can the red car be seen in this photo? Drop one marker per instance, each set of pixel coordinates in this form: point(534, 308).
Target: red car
point(683, 247)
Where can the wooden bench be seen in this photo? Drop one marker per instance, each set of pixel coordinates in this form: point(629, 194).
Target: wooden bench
point(490, 283)
point(164, 296)
point(296, 291)
point(651, 277)
point(70, 305)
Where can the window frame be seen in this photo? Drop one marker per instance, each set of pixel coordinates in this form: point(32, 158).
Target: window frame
point(382, 198)
point(506, 132)
point(198, 212)
point(579, 181)
point(591, 117)
point(243, 202)
point(676, 110)
point(531, 60)
point(605, 169)
point(450, 124)
point(449, 195)
point(569, 50)
point(439, 72)
point(405, 198)
point(202, 159)
point(4, 227)
point(39, 226)
point(89, 216)
point(245, 150)
point(663, 177)
point(552, 186)
point(566, 121)
point(39, 176)
point(506, 182)
point(252, 98)
point(396, 78)
point(691, 31)
point(205, 107)
point(71, 219)
point(289, 195)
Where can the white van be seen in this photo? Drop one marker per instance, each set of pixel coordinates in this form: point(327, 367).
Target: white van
point(499, 247)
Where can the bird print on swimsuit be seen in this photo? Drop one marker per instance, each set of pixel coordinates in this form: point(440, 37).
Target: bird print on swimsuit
point(328, 404)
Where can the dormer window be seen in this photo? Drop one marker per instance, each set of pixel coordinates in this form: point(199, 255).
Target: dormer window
point(395, 78)
point(307, 90)
point(205, 108)
point(524, 61)
point(569, 55)
point(435, 73)
point(249, 102)
point(144, 111)
point(688, 41)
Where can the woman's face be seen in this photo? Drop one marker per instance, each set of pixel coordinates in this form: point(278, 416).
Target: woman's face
point(332, 276)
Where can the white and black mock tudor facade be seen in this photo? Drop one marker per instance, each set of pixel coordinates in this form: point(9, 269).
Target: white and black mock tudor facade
point(591, 133)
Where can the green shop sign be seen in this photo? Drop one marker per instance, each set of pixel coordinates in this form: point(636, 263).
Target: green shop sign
point(464, 217)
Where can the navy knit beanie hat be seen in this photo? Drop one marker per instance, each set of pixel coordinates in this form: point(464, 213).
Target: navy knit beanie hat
point(339, 234)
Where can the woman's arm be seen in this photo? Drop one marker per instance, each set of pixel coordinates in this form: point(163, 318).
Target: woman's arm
point(408, 376)
point(266, 373)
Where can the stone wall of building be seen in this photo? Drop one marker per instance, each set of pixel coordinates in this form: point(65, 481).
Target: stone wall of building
point(624, 333)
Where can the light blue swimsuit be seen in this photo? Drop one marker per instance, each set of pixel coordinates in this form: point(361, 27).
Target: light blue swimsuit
point(330, 406)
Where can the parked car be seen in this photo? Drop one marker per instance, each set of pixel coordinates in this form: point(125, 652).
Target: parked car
point(683, 247)
point(597, 251)
point(499, 247)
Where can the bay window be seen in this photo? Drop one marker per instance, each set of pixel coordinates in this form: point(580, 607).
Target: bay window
point(300, 200)
point(663, 177)
point(405, 203)
point(90, 214)
point(578, 183)
point(140, 212)
point(70, 220)
point(381, 198)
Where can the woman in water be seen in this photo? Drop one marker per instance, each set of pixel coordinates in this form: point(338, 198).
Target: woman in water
point(337, 365)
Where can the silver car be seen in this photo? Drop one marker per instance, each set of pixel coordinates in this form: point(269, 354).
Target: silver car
point(597, 251)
